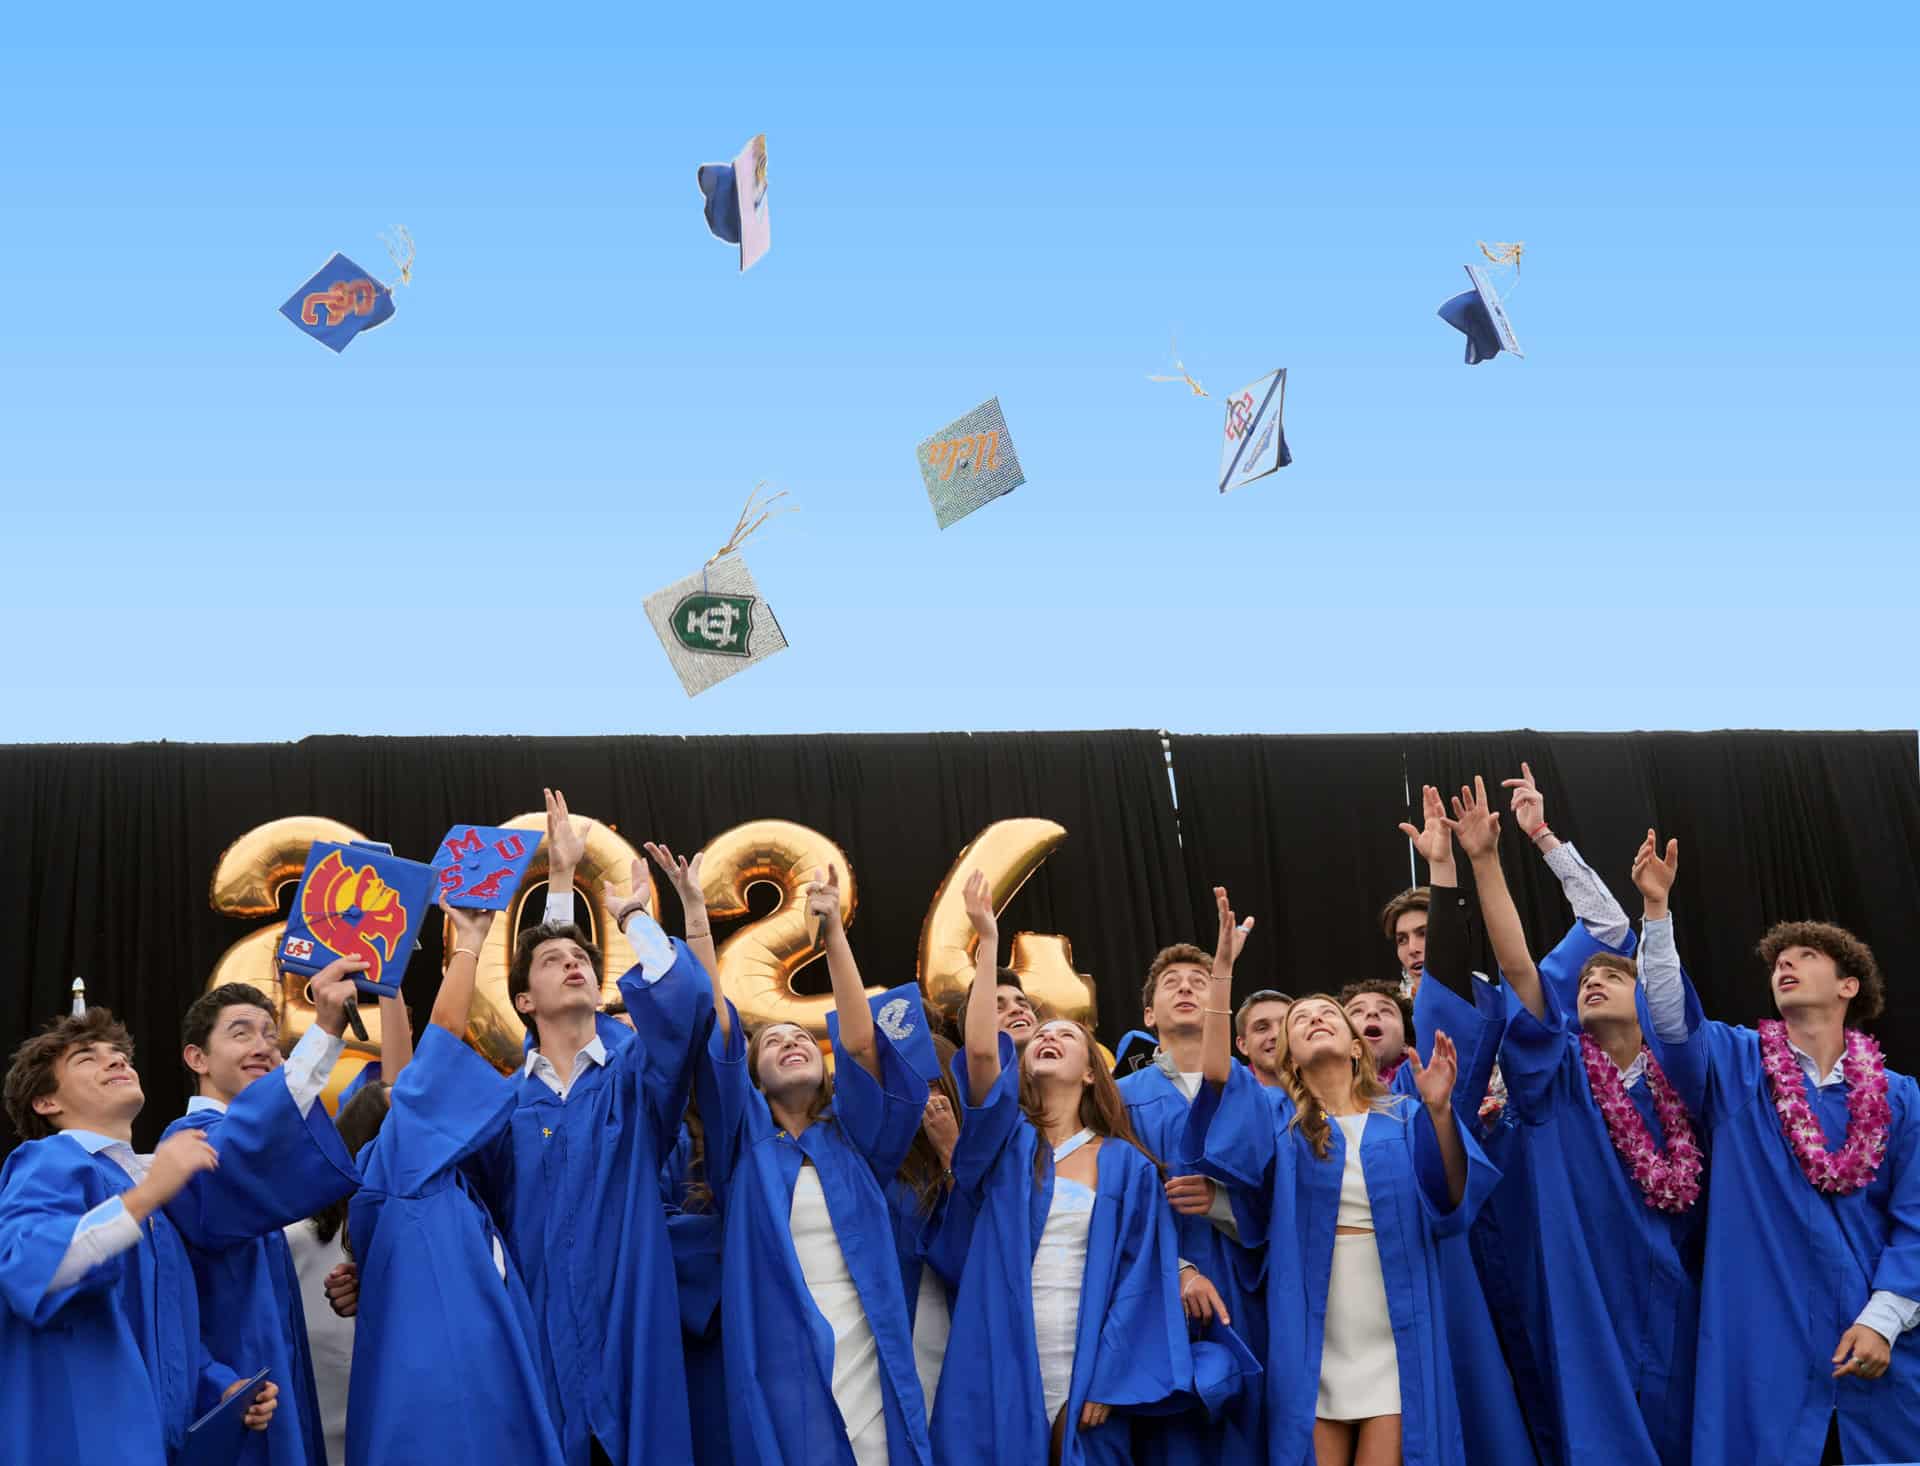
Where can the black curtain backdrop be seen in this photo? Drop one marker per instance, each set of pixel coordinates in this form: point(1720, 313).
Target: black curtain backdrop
point(105, 869)
point(1772, 827)
point(109, 849)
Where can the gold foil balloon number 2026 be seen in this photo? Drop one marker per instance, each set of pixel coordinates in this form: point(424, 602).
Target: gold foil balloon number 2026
point(758, 962)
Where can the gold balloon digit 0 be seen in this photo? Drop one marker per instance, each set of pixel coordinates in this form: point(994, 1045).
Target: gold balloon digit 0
point(759, 961)
point(1009, 851)
point(247, 882)
point(494, 1028)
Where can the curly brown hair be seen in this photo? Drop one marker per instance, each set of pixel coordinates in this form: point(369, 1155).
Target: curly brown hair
point(1853, 957)
point(1180, 954)
point(1608, 959)
point(34, 1071)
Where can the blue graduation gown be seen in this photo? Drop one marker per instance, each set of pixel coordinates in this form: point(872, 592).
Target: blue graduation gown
point(443, 1364)
point(576, 1184)
point(276, 1166)
point(1285, 1195)
point(1132, 1350)
point(113, 1367)
point(1492, 1425)
point(1788, 1268)
point(696, 1237)
point(1159, 1113)
point(1620, 1280)
point(779, 1348)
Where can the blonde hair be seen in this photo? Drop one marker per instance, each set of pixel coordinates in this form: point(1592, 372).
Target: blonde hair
point(1308, 1113)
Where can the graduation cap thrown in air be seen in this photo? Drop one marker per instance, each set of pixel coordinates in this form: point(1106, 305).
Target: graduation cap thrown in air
point(1479, 315)
point(357, 900)
point(1254, 444)
point(478, 867)
point(715, 622)
point(969, 462)
point(736, 200)
point(902, 1017)
point(339, 302)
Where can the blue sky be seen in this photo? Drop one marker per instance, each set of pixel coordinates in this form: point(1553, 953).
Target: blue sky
point(1691, 505)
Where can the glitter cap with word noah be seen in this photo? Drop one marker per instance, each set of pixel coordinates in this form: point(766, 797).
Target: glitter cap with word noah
point(715, 622)
point(969, 462)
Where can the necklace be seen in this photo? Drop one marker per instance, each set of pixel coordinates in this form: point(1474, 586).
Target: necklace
point(1669, 1180)
point(1864, 1068)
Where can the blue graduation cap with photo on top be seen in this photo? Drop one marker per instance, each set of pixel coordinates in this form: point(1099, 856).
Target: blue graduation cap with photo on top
point(479, 867)
point(1482, 319)
point(338, 303)
point(357, 900)
point(902, 1017)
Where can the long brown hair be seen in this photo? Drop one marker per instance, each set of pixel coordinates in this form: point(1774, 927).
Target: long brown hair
point(1308, 1113)
point(1102, 1110)
point(822, 1098)
point(922, 1169)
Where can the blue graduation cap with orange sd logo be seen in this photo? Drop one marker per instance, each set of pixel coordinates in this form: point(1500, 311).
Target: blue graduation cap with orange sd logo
point(357, 900)
point(338, 303)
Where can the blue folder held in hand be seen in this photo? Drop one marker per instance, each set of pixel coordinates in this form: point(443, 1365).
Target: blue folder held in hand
point(215, 1438)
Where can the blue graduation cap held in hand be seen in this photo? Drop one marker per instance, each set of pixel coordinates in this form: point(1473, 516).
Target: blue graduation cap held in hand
point(1478, 314)
point(902, 1017)
point(338, 303)
point(479, 867)
point(216, 1438)
point(357, 900)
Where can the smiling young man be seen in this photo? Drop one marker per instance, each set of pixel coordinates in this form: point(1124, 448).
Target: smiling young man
point(1017, 1015)
point(101, 1356)
point(1158, 1097)
point(575, 1180)
point(281, 1159)
point(1812, 1268)
point(1258, 1029)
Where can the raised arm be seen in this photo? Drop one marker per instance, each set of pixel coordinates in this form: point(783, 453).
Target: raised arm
point(1478, 829)
point(1660, 974)
point(982, 1037)
point(454, 1002)
point(684, 876)
point(1216, 1057)
point(566, 848)
point(849, 994)
point(1435, 1082)
point(396, 1037)
point(1593, 904)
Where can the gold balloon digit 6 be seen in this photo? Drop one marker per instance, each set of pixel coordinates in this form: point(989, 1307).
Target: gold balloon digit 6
point(1009, 851)
point(758, 963)
point(494, 1028)
point(247, 882)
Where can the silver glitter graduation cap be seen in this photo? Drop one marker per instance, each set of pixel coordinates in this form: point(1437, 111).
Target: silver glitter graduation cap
point(715, 622)
point(969, 462)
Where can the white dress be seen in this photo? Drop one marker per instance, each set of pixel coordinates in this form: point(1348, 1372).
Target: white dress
point(1059, 1273)
point(932, 1322)
point(856, 1358)
point(1359, 1367)
point(329, 1336)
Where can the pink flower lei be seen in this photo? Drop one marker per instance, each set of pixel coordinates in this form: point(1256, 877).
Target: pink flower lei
point(1669, 1181)
point(1864, 1067)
